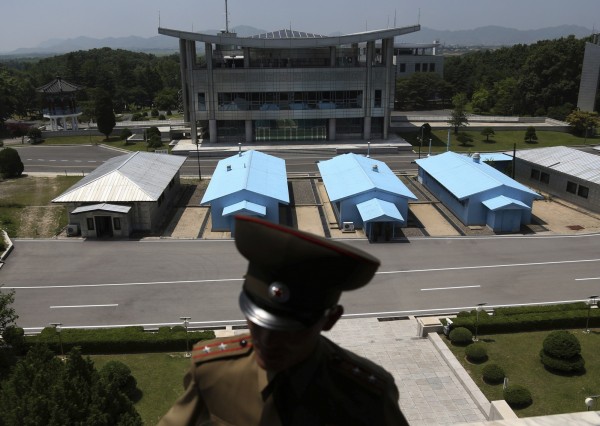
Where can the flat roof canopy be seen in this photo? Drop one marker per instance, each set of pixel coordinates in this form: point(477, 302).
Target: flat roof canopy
point(289, 43)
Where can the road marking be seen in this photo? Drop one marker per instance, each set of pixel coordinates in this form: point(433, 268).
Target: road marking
point(587, 279)
point(122, 284)
point(510, 265)
point(111, 305)
point(450, 288)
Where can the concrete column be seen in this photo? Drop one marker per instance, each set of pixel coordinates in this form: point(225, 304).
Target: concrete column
point(183, 69)
point(367, 128)
point(248, 131)
point(212, 129)
point(190, 53)
point(387, 99)
point(332, 56)
point(332, 129)
point(246, 57)
point(74, 123)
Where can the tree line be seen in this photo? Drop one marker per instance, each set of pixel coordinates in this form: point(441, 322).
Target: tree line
point(540, 79)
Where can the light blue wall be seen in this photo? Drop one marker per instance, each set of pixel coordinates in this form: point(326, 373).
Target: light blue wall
point(349, 212)
point(225, 223)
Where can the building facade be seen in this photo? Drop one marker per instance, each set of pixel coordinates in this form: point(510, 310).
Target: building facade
point(590, 76)
point(411, 58)
point(288, 85)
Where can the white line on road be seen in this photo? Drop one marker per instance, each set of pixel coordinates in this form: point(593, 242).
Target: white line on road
point(121, 284)
point(587, 279)
point(457, 268)
point(450, 288)
point(111, 305)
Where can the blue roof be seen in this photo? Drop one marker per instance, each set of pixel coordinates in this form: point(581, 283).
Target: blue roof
point(501, 202)
point(349, 174)
point(464, 177)
point(245, 207)
point(376, 210)
point(252, 171)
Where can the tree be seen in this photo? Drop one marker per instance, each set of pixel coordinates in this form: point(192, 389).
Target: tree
point(480, 101)
point(487, 132)
point(10, 163)
point(8, 315)
point(34, 134)
point(18, 130)
point(44, 390)
point(8, 99)
point(530, 135)
point(582, 122)
point(125, 133)
point(458, 116)
point(105, 116)
point(464, 138)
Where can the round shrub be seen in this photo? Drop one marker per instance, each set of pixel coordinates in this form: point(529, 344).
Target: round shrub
point(493, 374)
point(120, 374)
point(517, 396)
point(571, 365)
point(178, 329)
point(477, 352)
point(125, 133)
point(461, 336)
point(561, 344)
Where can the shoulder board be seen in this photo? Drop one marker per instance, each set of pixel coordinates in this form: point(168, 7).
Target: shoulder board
point(221, 348)
point(362, 373)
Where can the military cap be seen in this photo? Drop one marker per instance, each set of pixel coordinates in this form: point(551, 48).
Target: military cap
point(293, 276)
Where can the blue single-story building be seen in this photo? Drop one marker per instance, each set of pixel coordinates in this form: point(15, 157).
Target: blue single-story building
point(477, 193)
point(249, 183)
point(365, 193)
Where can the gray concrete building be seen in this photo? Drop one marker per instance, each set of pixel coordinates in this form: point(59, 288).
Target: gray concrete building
point(413, 58)
point(289, 85)
point(590, 76)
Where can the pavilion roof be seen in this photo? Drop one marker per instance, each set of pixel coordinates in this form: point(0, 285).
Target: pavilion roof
point(58, 85)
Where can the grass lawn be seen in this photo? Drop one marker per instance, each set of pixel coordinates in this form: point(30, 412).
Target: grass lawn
point(518, 355)
point(25, 208)
point(159, 377)
point(503, 140)
point(113, 141)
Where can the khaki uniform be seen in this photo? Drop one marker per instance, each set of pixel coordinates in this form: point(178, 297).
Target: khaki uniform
point(333, 386)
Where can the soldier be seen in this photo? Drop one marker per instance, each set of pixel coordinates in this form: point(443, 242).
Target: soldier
point(285, 372)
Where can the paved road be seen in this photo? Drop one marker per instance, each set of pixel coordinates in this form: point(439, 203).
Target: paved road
point(79, 159)
point(94, 283)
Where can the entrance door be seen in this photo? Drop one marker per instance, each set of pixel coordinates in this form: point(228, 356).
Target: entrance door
point(103, 226)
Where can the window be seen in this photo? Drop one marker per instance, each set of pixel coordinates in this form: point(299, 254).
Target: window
point(90, 223)
point(117, 223)
point(417, 67)
point(201, 102)
point(535, 174)
point(402, 67)
point(583, 191)
point(545, 177)
point(571, 187)
point(432, 67)
point(377, 99)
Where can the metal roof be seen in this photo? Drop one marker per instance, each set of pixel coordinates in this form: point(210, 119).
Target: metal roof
point(58, 85)
point(289, 43)
point(139, 176)
point(376, 210)
point(464, 177)
point(245, 207)
point(287, 34)
point(350, 174)
point(252, 171)
point(569, 161)
point(502, 202)
point(102, 207)
point(495, 156)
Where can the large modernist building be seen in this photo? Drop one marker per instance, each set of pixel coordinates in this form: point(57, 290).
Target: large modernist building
point(289, 85)
point(590, 76)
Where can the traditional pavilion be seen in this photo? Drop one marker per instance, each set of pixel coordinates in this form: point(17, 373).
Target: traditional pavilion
point(60, 105)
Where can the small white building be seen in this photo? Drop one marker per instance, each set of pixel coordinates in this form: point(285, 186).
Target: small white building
point(128, 193)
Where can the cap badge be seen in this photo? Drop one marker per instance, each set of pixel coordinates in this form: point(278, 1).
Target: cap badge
point(279, 292)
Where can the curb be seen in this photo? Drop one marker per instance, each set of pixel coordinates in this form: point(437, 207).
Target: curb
point(461, 374)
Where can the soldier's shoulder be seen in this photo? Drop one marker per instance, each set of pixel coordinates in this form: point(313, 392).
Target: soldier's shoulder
point(359, 370)
point(222, 348)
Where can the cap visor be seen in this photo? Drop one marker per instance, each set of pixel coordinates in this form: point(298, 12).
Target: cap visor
point(266, 319)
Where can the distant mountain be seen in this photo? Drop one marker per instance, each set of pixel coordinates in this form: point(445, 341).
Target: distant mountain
point(483, 36)
point(493, 35)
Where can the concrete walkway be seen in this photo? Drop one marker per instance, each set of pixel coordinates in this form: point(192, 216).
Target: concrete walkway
point(430, 392)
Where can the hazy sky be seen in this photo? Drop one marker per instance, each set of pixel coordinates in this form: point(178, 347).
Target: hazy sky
point(27, 23)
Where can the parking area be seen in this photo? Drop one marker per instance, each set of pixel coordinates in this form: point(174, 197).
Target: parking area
point(310, 210)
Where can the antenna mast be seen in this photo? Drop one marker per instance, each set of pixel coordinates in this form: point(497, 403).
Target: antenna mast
point(226, 18)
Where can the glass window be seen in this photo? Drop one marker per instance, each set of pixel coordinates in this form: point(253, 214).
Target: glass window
point(402, 67)
point(417, 67)
point(544, 177)
point(377, 99)
point(432, 67)
point(117, 223)
point(201, 102)
point(90, 223)
point(583, 191)
point(535, 174)
point(571, 187)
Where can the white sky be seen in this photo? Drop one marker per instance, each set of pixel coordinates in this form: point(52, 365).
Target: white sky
point(27, 23)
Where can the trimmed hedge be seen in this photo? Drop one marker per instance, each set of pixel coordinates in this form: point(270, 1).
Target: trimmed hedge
point(477, 352)
point(534, 321)
point(572, 365)
point(518, 310)
point(561, 344)
point(517, 396)
point(461, 336)
point(118, 340)
point(493, 374)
